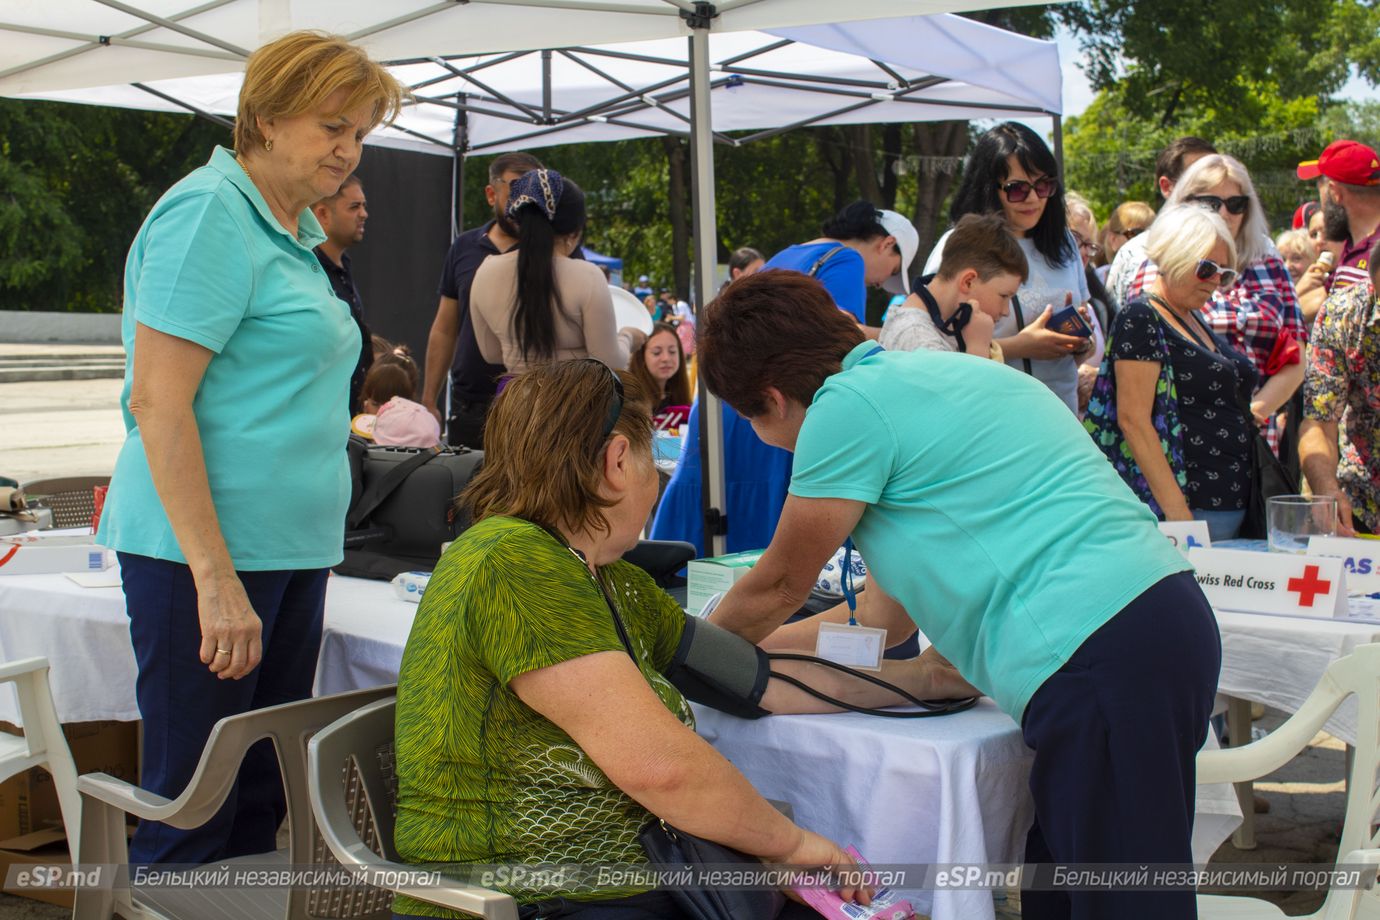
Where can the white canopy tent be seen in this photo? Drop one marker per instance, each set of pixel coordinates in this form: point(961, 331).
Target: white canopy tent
point(493, 75)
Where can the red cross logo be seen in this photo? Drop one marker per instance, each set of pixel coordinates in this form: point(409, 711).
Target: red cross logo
point(1309, 586)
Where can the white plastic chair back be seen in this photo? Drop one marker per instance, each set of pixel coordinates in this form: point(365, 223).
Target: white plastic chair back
point(1357, 674)
point(364, 739)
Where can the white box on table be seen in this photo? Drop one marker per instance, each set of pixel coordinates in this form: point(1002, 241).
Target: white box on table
point(708, 577)
point(39, 554)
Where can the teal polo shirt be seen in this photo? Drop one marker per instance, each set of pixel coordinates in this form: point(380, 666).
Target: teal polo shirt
point(991, 515)
point(213, 266)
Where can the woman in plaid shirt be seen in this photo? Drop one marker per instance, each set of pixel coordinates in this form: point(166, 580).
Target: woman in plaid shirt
point(1258, 315)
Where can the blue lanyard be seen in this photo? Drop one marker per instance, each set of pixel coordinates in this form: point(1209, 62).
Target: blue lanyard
point(846, 582)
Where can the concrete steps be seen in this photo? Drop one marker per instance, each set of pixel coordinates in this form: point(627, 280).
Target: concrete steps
point(58, 363)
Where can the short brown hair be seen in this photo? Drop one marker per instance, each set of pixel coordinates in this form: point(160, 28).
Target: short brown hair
point(543, 445)
point(984, 243)
point(773, 329)
point(400, 356)
point(517, 162)
point(298, 72)
point(1170, 162)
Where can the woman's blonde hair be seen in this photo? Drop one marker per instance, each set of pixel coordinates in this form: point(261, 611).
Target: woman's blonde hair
point(1182, 236)
point(1296, 241)
point(544, 445)
point(298, 73)
point(1253, 239)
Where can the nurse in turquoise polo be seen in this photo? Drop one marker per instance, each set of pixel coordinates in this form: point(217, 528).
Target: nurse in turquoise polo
point(991, 521)
point(228, 501)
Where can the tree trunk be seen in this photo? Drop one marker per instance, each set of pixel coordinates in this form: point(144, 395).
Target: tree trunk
point(678, 191)
point(837, 154)
point(864, 164)
point(891, 152)
point(935, 177)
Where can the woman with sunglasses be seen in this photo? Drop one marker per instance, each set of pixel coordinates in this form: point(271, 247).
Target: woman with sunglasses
point(1012, 172)
point(534, 720)
point(1166, 408)
point(1258, 313)
point(1129, 219)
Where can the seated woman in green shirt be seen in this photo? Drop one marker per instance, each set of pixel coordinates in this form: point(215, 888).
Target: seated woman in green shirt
point(992, 522)
point(526, 733)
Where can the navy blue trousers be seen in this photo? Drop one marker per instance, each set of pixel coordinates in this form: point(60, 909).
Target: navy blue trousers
point(1115, 733)
point(181, 700)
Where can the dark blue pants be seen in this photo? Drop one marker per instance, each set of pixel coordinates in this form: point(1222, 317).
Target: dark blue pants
point(1115, 733)
point(181, 700)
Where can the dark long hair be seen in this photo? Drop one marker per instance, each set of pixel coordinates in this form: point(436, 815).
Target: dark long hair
point(987, 168)
point(538, 300)
point(677, 387)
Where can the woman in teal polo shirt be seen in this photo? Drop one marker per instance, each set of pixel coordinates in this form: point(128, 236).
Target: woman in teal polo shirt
point(228, 500)
point(989, 519)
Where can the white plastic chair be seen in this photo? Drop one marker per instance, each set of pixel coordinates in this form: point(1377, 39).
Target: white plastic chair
point(1359, 674)
point(43, 744)
point(364, 738)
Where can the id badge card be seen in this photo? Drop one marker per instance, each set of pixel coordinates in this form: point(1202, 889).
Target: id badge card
point(855, 646)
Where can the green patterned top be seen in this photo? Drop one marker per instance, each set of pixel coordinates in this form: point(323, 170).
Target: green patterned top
point(482, 778)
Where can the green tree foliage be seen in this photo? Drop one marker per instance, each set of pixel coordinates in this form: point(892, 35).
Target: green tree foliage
point(1258, 79)
point(75, 184)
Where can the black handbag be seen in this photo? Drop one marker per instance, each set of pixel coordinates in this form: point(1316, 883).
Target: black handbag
point(668, 846)
point(402, 506)
point(1269, 478)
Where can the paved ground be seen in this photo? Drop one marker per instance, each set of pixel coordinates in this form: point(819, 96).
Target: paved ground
point(59, 428)
point(73, 426)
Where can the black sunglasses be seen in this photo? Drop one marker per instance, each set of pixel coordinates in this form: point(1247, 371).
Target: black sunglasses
point(1208, 269)
point(1018, 190)
point(615, 405)
point(1236, 204)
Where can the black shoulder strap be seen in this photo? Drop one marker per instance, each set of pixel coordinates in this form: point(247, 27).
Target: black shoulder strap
point(384, 486)
point(1020, 324)
point(819, 263)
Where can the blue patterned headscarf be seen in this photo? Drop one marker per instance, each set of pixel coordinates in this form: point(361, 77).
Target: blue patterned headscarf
point(539, 187)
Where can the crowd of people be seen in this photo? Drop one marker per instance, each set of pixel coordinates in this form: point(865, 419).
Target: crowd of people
point(1045, 392)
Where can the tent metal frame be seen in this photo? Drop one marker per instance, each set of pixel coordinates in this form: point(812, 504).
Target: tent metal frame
point(700, 77)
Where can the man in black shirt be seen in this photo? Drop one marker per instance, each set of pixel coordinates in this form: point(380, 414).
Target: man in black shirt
point(342, 218)
point(451, 346)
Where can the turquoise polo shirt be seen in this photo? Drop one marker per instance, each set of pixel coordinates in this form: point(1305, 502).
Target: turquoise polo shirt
point(991, 515)
point(212, 265)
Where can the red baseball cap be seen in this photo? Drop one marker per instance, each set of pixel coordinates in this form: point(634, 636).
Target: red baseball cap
point(1348, 162)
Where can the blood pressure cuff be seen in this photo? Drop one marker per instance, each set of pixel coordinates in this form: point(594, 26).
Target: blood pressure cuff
point(720, 669)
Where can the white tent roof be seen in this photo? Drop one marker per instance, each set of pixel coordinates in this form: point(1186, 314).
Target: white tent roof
point(918, 68)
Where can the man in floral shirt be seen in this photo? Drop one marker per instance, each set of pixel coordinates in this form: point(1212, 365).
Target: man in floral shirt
point(1342, 392)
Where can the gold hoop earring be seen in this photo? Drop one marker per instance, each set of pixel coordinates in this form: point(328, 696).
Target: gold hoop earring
point(268, 146)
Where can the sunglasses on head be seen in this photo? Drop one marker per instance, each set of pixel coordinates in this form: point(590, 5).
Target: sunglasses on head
point(1130, 232)
point(615, 404)
point(1208, 269)
point(1236, 204)
point(1018, 190)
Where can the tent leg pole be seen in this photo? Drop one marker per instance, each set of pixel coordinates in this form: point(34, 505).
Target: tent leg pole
point(706, 259)
point(1059, 146)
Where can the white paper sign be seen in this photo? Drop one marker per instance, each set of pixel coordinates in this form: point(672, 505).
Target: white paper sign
point(854, 646)
point(1278, 583)
point(1360, 558)
point(1186, 535)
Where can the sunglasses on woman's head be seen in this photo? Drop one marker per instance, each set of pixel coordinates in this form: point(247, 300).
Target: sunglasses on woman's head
point(1130, 232)
point(615, 404)
point(1018, 190)
point(1236, 204)
point(1208, 269)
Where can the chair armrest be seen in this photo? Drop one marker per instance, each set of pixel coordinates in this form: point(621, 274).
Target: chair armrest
point(1254, 760)
point(129, 798)
point(457, 896)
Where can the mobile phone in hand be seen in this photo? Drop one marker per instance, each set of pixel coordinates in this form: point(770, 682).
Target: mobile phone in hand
point(1070, 321)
